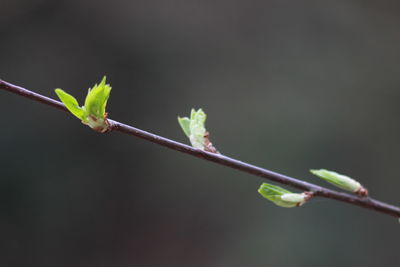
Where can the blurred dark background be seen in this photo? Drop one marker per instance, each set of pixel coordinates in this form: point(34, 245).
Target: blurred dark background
point(287, 85)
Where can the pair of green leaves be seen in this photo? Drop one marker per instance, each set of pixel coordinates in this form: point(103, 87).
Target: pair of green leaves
point(93, 112)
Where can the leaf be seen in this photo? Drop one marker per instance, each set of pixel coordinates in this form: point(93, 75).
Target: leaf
point(281, 197)
point(269, 190)
point(197, 128)
point(185, 125)
point(96, 99)
point(71, 103)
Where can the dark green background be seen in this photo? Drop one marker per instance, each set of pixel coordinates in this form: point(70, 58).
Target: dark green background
point(287, 85)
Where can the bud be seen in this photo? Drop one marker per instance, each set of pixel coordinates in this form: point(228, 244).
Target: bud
point(282, 197)
point(341, 181)
point(93, 113)
point(194, 128)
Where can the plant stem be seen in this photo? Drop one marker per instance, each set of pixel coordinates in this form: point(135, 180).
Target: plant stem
point(365, 202)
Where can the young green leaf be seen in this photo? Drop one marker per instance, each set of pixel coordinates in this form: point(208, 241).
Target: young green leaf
point(71, 103)
point(282, 197)
point(185, 124)
point(342, 181)
point(96, 99)
point(197, 128)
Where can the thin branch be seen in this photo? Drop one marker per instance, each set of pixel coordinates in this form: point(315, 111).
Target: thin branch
point(365, 202)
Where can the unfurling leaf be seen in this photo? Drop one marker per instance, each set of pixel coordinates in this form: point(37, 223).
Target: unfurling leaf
point(194, 128)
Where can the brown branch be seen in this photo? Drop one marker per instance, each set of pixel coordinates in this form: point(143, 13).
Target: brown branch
point(365, 202)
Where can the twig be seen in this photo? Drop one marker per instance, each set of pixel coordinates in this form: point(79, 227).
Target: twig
point(365, 202)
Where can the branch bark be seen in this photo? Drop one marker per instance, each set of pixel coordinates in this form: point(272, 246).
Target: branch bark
point(318, 191)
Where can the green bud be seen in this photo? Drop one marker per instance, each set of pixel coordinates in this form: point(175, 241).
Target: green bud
point(93, 113)
point(194, 128)
point(282, 197)
point(341, 181)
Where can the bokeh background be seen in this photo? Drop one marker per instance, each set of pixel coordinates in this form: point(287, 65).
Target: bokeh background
point(287, 85)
